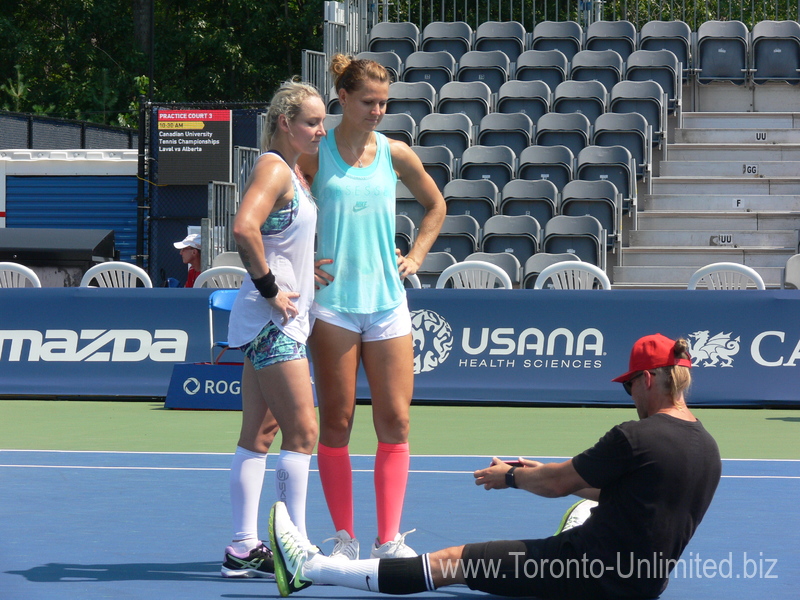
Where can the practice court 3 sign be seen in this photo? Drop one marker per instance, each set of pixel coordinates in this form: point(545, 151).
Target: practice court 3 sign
point(194, 146)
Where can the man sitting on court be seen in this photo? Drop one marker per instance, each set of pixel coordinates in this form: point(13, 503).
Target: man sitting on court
point(647, 485)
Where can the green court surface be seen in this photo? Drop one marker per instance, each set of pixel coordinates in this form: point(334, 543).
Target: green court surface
point(145, 426)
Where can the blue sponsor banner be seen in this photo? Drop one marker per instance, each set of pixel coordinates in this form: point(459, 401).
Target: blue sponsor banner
point(553, 346)
point(539, 346)
point(99, 341)
point(205, 387)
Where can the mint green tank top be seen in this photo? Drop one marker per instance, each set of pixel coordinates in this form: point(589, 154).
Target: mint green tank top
point(356, 228)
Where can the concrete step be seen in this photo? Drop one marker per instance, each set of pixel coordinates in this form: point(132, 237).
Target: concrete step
point(718, 220)
point(642, 256)
point(676, 276)
point(741, 120)
point(712, 184)
point(715, 238)
point(736, 136)
point(745, 153)
point(738, 169)
point(718, 202)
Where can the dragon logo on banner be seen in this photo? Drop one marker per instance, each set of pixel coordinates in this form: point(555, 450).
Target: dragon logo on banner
point(433, 340)
point(713, 351)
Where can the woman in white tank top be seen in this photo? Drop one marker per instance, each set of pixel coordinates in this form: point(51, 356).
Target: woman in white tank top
point(274, 231)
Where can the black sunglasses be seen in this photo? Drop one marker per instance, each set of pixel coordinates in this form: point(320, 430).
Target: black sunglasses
point(628, 385)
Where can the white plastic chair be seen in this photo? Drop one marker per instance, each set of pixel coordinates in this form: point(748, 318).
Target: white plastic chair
point(475, 274)
point(13, 275)
point(726, 276)
point(791, 275)
point(227, 259)
point(572, 275)
point(221, 277)
point(414, 282)
point(116, 274)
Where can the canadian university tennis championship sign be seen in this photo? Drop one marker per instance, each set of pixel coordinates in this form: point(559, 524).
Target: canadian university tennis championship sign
point(194, 146)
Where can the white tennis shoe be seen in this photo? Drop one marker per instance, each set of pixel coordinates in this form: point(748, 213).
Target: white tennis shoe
point(576, 515)
point(346, 547)
point(395, 548)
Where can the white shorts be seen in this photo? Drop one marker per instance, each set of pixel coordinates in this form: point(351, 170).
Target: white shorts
point(373, 327)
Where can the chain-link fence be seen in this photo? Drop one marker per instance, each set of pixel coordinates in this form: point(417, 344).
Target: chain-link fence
point(32, 132)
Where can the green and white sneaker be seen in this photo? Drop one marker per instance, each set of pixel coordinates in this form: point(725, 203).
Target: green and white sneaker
point(291, 549)
point(576, 515)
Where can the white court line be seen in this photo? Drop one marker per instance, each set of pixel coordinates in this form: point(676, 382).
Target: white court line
point(424, 472)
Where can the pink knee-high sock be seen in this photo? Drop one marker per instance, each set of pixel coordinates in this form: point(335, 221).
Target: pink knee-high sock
point(391, 477)
point(336, 475)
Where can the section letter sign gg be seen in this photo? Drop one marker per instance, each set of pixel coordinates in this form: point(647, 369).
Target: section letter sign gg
point(194, 146)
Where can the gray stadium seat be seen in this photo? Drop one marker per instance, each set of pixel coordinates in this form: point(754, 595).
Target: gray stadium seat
point(438, 162)
point(722, 51)
point(451, 130)
point(514, 130)
point(400, 38)
point(619, 36)
point(518, 235)
point(566, 36)
point(454, 37)
point(548, 66)
point(572, 130)
point(538, 262)
point(460, 236)
point(599, 199)
point(473, 98)
point(433, 265)
point(551, 163)
point(492, 67)
point(495, 163)
point(479, 199)
point(416, 99)
point(661, 66)
point(539, 199)
point(630, 130)
point(391, 61)
point(506, 36)
point(674, 36)
point(404, 233)
point(406, 204)
point(583, 236)
point(643, 97)
point(584, 97)
point(609, 163)
point(606, 66)
point(529, 97)
point(776, 51)
point(400, 126)
point(436, 68)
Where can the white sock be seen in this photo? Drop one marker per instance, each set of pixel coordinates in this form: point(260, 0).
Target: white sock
point(356, 574)
point(246, 481)
point(291, 485)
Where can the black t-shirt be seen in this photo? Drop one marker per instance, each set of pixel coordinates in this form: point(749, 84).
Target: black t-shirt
point(657, 477)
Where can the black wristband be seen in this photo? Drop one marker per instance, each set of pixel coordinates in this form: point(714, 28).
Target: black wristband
point(510, 479)
point(266, 285)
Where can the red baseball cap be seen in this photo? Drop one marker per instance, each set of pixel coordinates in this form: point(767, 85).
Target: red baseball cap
point(652, 352)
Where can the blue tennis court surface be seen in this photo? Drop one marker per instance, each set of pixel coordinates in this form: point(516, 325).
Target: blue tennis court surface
point(87, 525)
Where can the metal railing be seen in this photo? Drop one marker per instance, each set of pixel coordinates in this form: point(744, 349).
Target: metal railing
point(217, 230)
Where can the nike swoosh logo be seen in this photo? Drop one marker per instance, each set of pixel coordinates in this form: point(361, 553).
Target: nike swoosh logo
point(359, 207)
point(369, 588)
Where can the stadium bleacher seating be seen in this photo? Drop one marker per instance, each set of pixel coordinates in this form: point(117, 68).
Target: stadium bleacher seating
point(538, 93)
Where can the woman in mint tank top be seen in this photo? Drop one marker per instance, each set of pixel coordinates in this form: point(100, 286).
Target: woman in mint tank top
point(360, 310)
